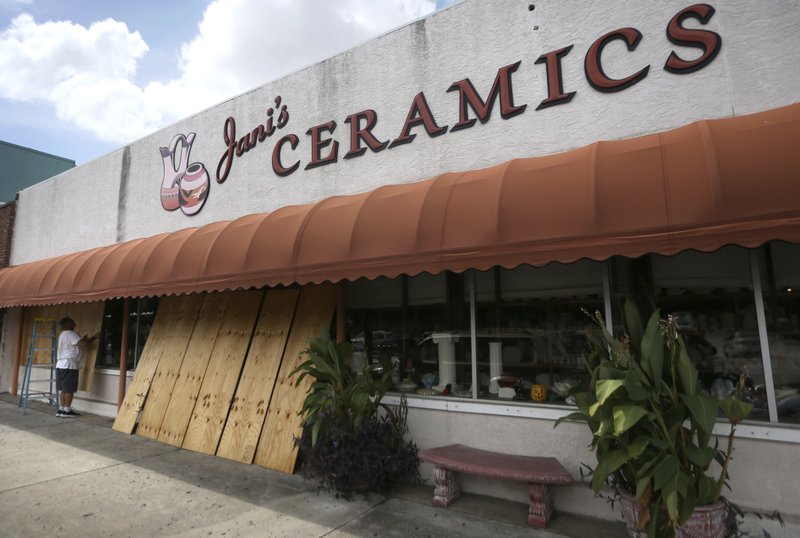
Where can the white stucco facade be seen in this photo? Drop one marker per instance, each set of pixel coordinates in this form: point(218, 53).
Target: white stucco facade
point(116, 197)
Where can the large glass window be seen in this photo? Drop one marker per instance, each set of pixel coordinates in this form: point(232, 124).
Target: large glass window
point(530, 324)
point(421, 324)
point(532, 329)
point(781, 289)
point(711, 297)
point(141, 314)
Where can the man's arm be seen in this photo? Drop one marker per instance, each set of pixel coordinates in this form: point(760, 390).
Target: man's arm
point(87, 340)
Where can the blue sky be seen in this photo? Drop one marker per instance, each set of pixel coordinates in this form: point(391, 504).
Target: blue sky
point(80, 78)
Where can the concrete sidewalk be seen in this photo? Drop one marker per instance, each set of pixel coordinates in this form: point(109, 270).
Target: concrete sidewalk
point(78, 477)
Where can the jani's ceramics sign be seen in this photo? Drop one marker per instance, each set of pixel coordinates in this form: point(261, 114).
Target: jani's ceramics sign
point(186, 186)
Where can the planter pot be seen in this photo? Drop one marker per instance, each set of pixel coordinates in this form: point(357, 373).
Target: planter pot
point(705, 522)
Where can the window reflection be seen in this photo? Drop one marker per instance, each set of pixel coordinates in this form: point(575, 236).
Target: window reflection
point(529, 321)
point(140, 320)
point(781, 288)
point(711, 297)
point(532, 329)
point(419, 324)
point(531, 325)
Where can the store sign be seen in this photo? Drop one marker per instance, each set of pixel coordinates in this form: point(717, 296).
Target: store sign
point(184, 186)
point(187, 188)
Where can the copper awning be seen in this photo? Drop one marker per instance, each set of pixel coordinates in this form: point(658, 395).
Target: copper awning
point(701, 186)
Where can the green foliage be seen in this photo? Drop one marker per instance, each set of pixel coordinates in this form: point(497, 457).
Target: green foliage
point(372, 457)
point(337, 392)
point(651, 423)
point(351, 442)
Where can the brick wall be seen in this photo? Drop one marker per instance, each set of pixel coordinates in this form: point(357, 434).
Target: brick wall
point(7, 214)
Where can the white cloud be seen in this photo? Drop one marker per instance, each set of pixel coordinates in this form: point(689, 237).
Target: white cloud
point(242, 44)
point(87, 74)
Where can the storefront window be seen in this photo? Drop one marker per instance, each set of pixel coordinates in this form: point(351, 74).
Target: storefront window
point(532, 329)
point(781, 288)
point(711, 297)
point(421, 324)
point(530, 324)
point(140, 320)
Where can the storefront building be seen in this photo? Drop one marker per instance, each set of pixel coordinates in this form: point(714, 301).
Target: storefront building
point(470, 183)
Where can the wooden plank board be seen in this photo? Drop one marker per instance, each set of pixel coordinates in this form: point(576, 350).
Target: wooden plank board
point(30, 313)
point(168, 369)
point(276, 448)
point(55, 312)
point(222, 375)
point(193, 369)
point(249, 406)
point(168, 308)
point(88, 319)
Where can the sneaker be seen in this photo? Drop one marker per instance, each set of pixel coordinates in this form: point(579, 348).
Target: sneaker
point(69, 414)
point(59, 413)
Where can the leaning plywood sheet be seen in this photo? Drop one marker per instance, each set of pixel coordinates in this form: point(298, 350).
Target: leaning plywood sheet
point(276, 448)
point(249, 406)
point(88, 319)
point(169, 309)
point(168, 369)
point(222, 375)
point(193, 369)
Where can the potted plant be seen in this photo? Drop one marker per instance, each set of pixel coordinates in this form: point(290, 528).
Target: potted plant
point(652, 429)
point(351, 442)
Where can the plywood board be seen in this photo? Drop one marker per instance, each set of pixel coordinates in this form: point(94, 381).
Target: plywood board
point(249, 405)
point(88, 319)
point(169, 308)
point(223, 371)
point(29, 315)
point(193, 369)
point(276, 448)
point(168, 369)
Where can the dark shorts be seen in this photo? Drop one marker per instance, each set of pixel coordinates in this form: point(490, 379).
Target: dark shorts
point(67, 380)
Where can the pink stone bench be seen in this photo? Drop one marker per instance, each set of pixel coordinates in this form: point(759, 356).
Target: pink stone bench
point(539, 473)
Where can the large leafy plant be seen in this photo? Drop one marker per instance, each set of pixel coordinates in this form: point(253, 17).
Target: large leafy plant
point(351, 441)
point(372, 457)
point(651, 421)
point(337, 393)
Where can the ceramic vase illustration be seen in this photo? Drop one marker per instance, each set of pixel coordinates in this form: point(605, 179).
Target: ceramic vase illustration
point(193, 188)
point(184, 185)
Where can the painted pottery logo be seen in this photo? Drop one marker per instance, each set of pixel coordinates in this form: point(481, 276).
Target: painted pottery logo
point(185, 185)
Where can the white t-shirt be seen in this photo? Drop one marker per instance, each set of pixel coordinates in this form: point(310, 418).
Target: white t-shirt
point(69, 354)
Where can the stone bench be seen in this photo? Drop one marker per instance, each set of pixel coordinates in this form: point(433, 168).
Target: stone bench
point(539, 473)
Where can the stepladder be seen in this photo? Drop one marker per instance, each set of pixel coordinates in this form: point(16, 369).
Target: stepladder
point(41, 364)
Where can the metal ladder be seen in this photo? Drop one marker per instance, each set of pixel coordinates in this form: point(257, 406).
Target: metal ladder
point(44, 330)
